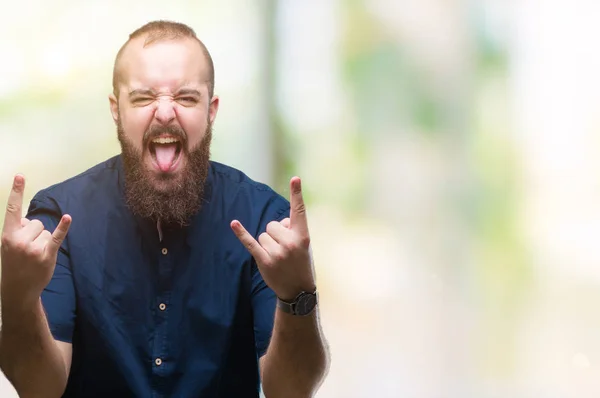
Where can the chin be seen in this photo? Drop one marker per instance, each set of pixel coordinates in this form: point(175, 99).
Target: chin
point(164, 181)
point(171, 178)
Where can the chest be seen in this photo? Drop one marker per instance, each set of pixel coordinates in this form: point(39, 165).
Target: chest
point(138, 282)
point(168, 310)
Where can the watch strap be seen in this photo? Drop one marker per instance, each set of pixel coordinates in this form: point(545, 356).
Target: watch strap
point(286, 307)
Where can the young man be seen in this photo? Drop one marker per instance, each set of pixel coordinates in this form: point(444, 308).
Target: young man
point(166, 274)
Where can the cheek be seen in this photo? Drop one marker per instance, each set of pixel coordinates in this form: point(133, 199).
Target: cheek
point(135, 122)
point(194, 123)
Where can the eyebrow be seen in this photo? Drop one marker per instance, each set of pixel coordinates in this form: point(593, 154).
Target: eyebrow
point(146, 92)
point(141, 92)
point(189, 91)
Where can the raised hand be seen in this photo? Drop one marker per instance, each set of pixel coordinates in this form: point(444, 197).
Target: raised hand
point(283, 251)
point(28, 253)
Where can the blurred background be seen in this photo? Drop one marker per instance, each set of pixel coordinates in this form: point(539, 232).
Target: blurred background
point(450, 153)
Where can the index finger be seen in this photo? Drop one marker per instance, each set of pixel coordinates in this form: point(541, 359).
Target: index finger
point(256, 250)
point(297, 208)
point(14, 207)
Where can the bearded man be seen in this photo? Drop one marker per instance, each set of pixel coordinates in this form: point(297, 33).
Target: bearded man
point(159, 272)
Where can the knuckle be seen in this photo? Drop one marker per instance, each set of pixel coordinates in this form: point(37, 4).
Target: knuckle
point(305, 242)
point(35, 251)
point(56, 240)
point(250, 244)
point(278, 257)
point(21, 246)
point(13, 208)
point(292, 245)
point(37, 223)
point(267, 263)
point(301, 243)
point(5, 240)
point(300, 208)
point(262, 237)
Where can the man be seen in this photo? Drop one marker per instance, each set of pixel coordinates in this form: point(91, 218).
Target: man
point(152, 283)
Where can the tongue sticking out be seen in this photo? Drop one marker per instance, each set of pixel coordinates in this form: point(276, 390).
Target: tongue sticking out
point(165, 155)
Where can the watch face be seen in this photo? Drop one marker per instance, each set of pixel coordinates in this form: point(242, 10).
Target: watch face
point(306, 303)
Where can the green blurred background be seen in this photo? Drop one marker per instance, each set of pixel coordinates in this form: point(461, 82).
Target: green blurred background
point(449, 151)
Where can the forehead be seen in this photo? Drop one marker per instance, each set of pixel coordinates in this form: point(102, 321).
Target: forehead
point(166, 64)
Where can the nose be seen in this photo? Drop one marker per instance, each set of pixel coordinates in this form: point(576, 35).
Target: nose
point(165, 111)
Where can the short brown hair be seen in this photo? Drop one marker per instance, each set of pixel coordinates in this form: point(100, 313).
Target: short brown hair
point(164, 30)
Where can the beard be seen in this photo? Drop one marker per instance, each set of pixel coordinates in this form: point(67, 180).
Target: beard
point(170, 198)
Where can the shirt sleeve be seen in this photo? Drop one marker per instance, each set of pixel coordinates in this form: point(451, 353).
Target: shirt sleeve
point(58, 298)
point(264, 300)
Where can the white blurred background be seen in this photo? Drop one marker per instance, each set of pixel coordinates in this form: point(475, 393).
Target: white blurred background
point(450, 151)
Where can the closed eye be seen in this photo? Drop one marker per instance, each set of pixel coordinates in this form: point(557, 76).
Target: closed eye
point(142, 101)
point(188, 100)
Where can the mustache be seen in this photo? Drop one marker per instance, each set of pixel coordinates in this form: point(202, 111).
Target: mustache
point(156, 131)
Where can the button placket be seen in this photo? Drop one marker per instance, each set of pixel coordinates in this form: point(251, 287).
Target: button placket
point(163, 292)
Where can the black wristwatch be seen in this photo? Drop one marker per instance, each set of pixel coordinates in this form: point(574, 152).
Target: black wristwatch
point(302, 305)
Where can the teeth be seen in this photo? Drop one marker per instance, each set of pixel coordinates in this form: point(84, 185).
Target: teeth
point(165, 140)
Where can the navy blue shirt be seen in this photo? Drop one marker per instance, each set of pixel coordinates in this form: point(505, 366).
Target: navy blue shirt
point(188, 316)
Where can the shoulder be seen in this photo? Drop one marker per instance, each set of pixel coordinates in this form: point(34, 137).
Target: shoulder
point(240, 192)
point(94, 182)
point(233, 182)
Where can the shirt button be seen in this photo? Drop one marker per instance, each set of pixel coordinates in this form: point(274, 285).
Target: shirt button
point(162, 306)
point(164, 251)
point(158, 361)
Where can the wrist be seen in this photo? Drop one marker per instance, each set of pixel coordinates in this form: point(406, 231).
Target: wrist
point(290, 295)
point(302, 304)
point(16, 306)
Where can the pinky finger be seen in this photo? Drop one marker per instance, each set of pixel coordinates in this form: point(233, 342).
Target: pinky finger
point(60, 233)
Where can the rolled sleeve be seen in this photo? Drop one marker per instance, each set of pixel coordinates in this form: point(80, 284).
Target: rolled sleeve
point(264, 300)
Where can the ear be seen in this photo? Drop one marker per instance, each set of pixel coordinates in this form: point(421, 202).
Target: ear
point(114, 107)
point(213, 108)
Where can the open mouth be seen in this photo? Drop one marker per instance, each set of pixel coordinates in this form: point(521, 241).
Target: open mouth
point(165, 152)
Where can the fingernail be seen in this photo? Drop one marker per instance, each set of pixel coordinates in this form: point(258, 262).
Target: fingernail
point(296, 183)
point(19, 180)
